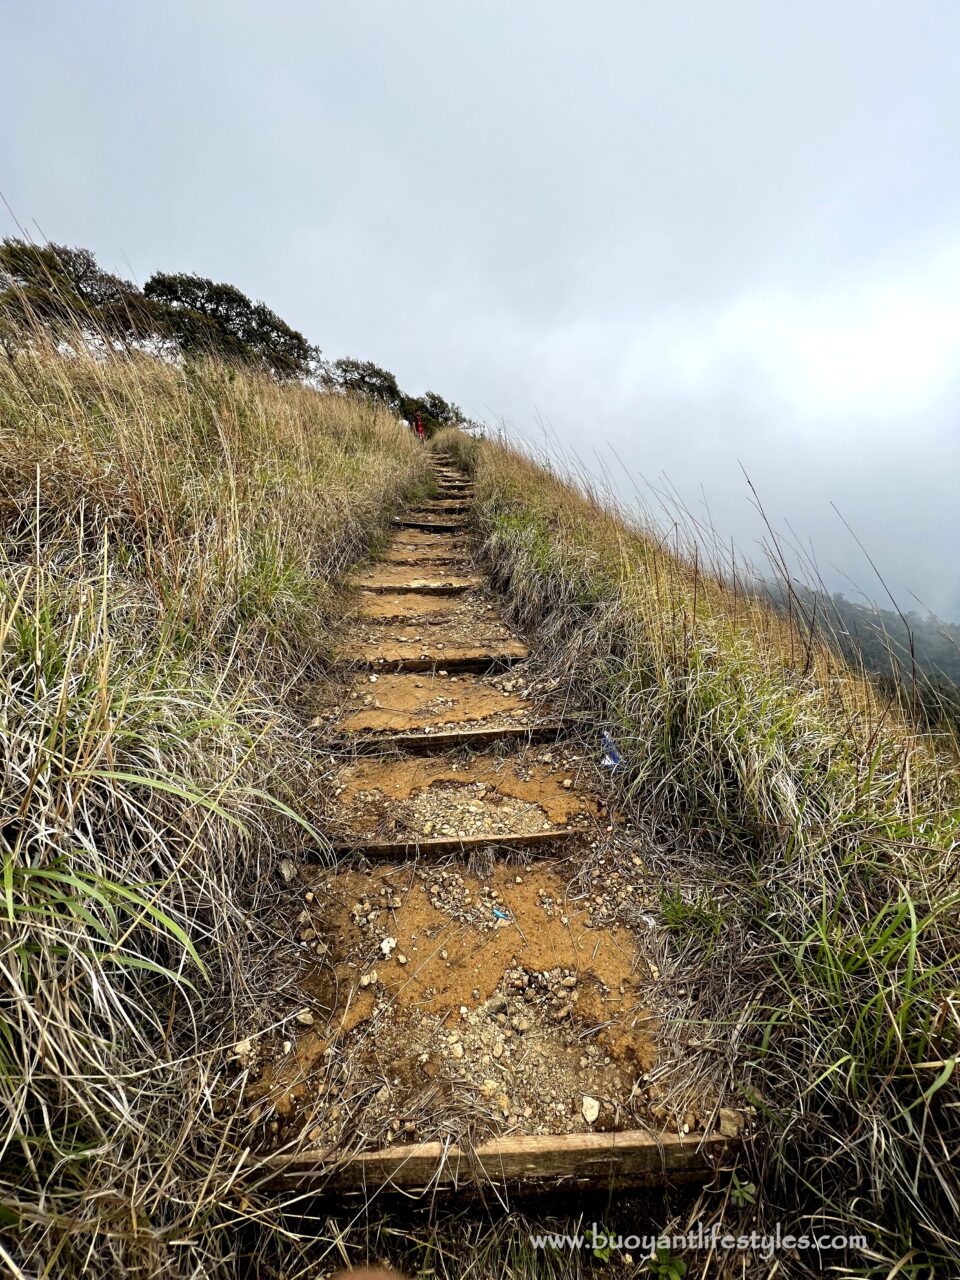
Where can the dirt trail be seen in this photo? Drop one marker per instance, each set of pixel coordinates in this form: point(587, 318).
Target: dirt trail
point(476, 965)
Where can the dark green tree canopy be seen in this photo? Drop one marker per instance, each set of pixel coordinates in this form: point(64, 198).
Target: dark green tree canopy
point(434, 411)
point(363, 377)
point(204, 315)
point(64, 290)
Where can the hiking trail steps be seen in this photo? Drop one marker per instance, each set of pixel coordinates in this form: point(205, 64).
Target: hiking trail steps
point(428, 668)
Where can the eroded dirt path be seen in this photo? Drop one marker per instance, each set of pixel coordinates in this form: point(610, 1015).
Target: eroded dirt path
point(477, 961)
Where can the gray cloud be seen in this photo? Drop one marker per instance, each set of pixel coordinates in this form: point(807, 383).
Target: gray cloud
point(703, 235)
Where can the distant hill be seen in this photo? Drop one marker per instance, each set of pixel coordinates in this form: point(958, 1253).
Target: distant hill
point(904, 649)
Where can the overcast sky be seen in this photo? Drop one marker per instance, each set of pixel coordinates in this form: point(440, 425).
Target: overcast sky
point(705, 234)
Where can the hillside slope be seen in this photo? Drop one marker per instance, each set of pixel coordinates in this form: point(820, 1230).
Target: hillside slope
point(806, 834)
point(170, 539)
point(173, 541)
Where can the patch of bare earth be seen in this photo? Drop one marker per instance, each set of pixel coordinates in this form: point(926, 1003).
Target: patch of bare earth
point(428, 702)
point(449, 1003)
point(531, 792)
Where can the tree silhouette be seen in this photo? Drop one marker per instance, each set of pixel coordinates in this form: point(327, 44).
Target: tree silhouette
point(203, 315)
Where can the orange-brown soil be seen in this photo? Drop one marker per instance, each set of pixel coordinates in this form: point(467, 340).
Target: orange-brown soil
point(482, 995)
point(484, 795)
point(500, 987)
point(383, 575)
point(426, 700)
point(387, 606)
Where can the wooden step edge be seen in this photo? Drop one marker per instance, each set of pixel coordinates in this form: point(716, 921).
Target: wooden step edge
point(416, 587)
point(369, 740)
point(475, 664)
point(427, 561)
point(454, 844)
point(429, 526)
point(632, 1158)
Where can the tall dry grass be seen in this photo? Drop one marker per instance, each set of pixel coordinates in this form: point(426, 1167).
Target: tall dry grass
point(807, 831)
point(170, 539)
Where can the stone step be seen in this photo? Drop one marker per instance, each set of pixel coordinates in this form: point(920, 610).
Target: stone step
point(396, 604)
point(411, 545)
point(411, 848)
point(468, 629)
point(454, 557)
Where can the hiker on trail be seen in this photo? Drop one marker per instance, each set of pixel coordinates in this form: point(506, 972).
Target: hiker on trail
point(419, 426)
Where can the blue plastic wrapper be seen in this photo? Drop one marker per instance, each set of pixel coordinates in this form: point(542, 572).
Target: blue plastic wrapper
point(612, 758)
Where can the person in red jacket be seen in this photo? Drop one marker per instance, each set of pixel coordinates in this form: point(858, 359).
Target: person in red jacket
point(418, 426)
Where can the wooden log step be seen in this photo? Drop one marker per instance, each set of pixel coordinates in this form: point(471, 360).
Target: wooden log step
point(466, 736)
point(478, 661)
point(451, 803)
point(424, 587)
point(394, 577)
point(429, 845)
point(430, 526)
point(633, 1158)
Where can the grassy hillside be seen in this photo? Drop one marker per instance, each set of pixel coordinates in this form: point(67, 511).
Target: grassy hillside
point(168, 540)
point(805, 836)
point(919, 656)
